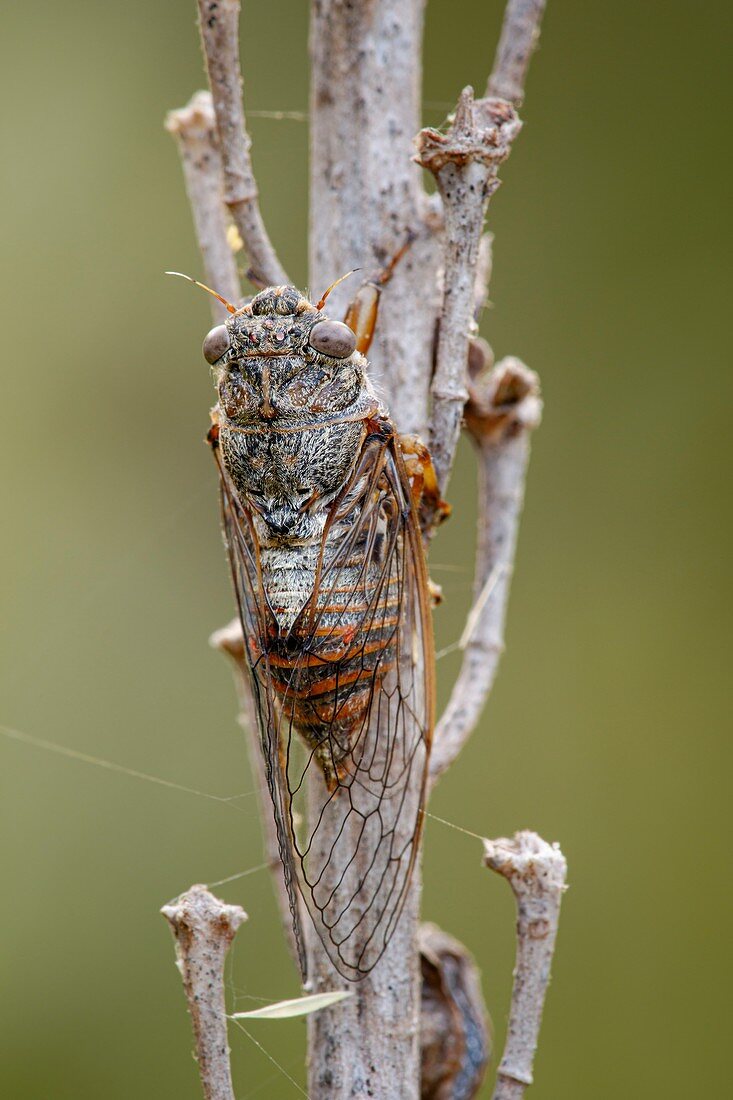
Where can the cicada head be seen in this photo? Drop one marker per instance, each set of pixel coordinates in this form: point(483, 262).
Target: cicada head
point(281, 358)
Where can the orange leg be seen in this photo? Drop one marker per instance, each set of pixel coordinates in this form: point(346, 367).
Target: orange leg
point(431, 509)
point(361, 315)
point(430, 506)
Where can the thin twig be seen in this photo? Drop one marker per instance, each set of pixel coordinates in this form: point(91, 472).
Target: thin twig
point(219, 25)
point(194, 129)
point(204, 928)
point(519, 37)
point(536, 872)
point(465, 162)
point(504, 408)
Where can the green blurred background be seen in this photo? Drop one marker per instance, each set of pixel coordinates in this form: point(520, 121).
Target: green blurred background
point(606, 727)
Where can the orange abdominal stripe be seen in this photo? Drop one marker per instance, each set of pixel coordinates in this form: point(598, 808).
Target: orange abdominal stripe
point(332, 683)
point(325, 660)
point(324, 631)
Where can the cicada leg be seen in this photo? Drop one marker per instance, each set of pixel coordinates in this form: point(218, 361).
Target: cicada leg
point(429, 505)
point(361, 315)
point(431, 509)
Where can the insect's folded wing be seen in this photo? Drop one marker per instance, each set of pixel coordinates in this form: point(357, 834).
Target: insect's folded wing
point(360, 846)
point(346, 718)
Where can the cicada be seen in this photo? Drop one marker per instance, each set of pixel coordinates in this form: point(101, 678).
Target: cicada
point(320, 515)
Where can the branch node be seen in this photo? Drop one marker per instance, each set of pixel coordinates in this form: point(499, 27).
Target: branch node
point(198, 914)
point(533, 867)
point(503, 401)
point(481, 130)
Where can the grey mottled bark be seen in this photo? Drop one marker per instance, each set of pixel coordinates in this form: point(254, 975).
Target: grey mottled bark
point(366, 197)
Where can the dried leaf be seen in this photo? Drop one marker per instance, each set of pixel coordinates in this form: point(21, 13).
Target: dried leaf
point(299, 1006)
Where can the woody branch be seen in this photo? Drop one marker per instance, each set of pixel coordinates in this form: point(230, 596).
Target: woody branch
point(465, 162)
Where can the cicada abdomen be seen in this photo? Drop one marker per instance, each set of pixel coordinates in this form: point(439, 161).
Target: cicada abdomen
point(331, 584)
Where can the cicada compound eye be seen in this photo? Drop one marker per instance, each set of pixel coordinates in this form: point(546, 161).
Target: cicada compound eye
point(333, 338)
point(216, 343)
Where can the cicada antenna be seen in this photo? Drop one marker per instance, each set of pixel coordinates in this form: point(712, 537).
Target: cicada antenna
point(333, 285)
point(228, 305)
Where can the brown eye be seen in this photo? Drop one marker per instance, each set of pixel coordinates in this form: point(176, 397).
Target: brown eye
point(216, 343)
point(333, 338)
